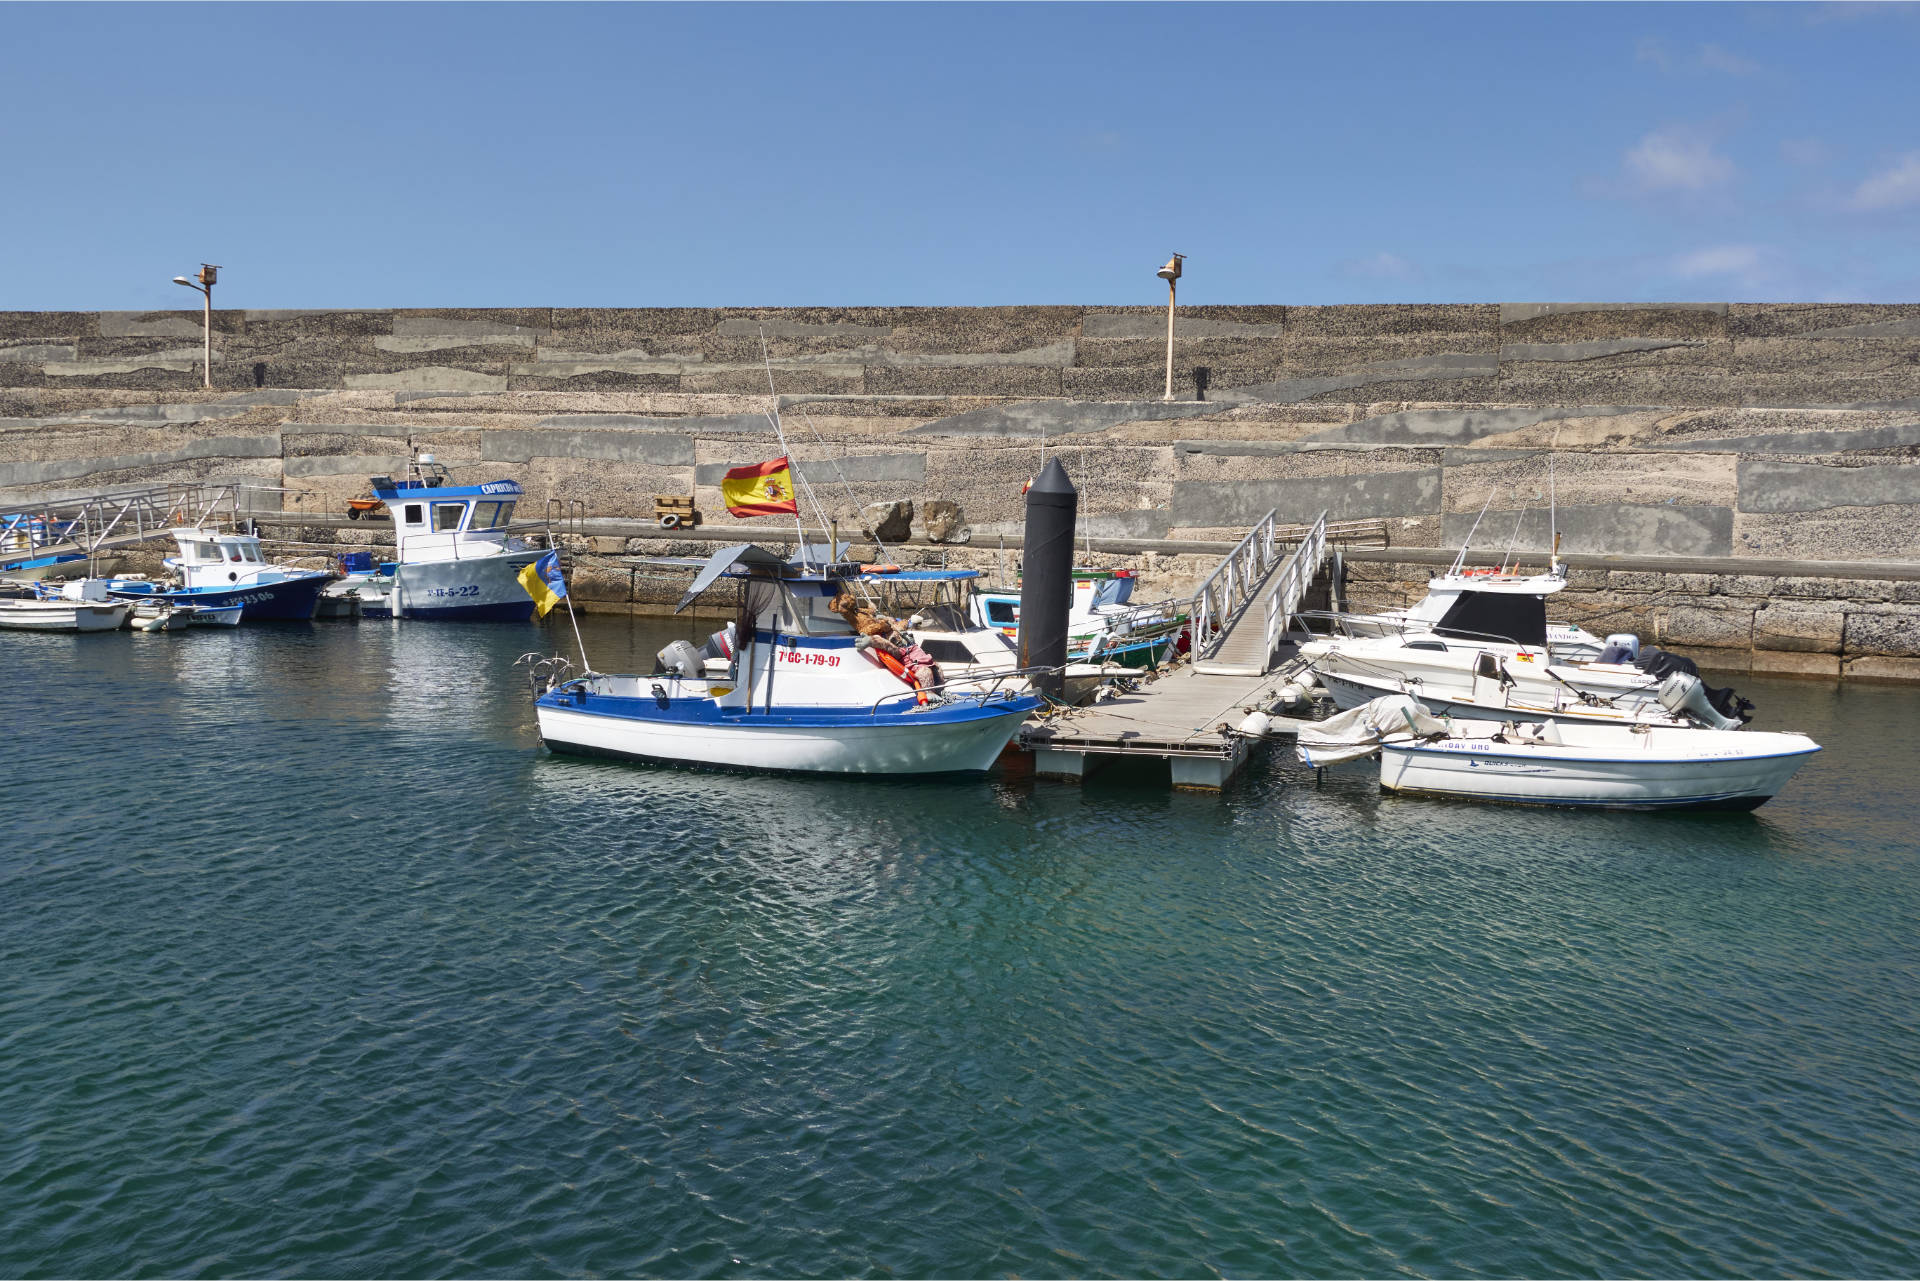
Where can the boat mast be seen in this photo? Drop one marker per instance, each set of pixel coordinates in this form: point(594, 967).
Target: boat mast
point(1460, 561)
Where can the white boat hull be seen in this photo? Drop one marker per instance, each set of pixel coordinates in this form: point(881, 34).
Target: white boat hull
point(1711, 777)
point(63, 615)
point(1351, 690)
point(470, 589)
point(930, 747)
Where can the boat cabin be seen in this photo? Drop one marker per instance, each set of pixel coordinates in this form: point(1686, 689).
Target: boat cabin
point(435, 521)
point(210, 558)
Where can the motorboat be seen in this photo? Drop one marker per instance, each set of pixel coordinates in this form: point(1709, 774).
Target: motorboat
point(454, 556)
point(82, 606)
point(1631, 767)
point(1103, 623)
point(220, 570)
point(799, 689)
point(163, 615)
point(1568, 642)
point(937, 606)
point(1487, 655)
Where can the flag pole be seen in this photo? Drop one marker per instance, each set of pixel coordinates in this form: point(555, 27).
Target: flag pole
point(773, 400)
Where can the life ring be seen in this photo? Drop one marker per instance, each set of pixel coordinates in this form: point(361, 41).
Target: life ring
point(670, 521)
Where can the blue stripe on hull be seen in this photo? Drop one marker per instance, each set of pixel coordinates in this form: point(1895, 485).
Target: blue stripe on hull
point(499, 612)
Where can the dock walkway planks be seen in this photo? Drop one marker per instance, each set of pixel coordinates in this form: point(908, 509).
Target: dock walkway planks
point(1185, 716)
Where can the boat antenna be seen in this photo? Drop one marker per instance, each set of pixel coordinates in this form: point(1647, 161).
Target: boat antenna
point(799, 480)
point(1553, 508)
point(1460, 561)
point(1516, 533)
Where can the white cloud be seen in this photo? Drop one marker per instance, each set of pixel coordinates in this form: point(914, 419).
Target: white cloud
point(1652, 49)
point(1719, 260)
point(1380, 266)
point(1677, 158)
point(1714, 58)
point(1897, 185)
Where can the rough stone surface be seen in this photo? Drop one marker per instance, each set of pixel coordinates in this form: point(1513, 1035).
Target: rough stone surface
point(888, 522)
point(945, 523)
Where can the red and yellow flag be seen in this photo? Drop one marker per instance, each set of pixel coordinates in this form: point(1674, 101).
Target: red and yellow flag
point(760, 489)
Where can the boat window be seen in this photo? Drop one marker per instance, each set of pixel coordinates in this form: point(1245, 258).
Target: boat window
point(506, 515)
point(250, 553)
point(203, 551)
point(485, 515)
point(415, 513)
point(446, 516)
point(1000, 611)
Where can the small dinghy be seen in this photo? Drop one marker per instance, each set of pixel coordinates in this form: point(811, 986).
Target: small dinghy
point(1629, 767)
point(81, 606)
point(175, 615)
point(794, 687)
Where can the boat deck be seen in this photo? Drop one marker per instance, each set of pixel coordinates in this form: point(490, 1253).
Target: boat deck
point(1188, 718)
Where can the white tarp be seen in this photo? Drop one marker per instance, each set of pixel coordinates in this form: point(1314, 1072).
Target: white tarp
point(1358, 733)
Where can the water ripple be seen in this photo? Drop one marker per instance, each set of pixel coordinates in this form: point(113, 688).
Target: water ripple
point(319, 965)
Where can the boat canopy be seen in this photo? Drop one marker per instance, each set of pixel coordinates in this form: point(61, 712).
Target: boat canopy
point(1482, 616)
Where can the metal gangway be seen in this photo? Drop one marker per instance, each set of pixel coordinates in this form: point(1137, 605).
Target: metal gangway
point(1190, 716)
point(88, 524)
point(1240, 613)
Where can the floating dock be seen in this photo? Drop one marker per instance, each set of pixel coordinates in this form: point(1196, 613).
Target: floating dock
point(1190, 717)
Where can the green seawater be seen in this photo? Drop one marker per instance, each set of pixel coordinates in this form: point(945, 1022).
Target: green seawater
point(314, 963)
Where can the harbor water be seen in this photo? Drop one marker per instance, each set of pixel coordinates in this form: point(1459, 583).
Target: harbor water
point(317, 964)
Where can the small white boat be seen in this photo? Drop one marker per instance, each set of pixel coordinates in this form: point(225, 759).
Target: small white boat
point(802, 692)
point(1104, 626)
point(78, 607)
point(1638, 767)
point(174, 616)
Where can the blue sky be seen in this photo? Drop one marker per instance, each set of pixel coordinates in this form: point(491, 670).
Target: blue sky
point(362, 155)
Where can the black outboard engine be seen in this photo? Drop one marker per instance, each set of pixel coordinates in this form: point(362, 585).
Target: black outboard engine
point(1660, 664)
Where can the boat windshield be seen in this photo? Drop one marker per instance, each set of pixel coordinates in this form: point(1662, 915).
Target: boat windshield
point(489, 515)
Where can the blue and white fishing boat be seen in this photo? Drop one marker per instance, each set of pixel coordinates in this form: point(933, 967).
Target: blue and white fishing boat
point(454, 558)
point(801, 691)
point(1103, 623)
point(218, 571)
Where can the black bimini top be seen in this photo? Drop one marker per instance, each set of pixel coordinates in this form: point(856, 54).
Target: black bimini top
point(1505, 616)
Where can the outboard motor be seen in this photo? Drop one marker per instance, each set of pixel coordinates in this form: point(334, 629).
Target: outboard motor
point(1685, 695)
point(681, 658)
point(720, 644)
point(1621, 647)
point(1728, 706)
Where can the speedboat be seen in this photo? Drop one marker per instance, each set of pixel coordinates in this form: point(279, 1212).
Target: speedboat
point(220, 570)
point(1568, 642)
point(454, 558)
point(1103, 625)
point(1487, 655)
point(1635, 767)
point(799, 690)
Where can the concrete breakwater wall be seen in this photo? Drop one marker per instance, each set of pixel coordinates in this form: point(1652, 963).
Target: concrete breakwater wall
point(1705, 430)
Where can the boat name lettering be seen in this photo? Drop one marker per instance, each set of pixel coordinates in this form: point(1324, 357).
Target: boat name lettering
point(471, 589)
point(501, 487)
point(808, 657)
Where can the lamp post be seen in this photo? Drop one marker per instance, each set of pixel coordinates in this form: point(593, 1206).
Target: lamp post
point(1170, 273)
point(210, 273)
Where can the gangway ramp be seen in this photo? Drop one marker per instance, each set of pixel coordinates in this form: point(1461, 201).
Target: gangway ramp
point(1240, 613)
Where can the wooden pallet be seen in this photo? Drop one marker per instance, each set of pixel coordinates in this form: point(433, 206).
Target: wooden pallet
point(675, 511)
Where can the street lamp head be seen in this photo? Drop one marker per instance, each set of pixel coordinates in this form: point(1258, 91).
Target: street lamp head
point(182, 280)
point(1171, 272)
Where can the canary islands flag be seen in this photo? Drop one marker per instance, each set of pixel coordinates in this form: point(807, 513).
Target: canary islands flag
point(759, 489)
point(543, 582)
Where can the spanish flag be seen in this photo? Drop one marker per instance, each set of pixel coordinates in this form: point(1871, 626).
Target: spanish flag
point(543, 582)
point(760, 489)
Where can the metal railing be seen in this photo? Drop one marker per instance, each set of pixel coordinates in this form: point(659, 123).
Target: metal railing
point(89, 523)
point(1225, 593)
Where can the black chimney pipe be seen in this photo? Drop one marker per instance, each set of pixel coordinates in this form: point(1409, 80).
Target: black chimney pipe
point(1046, 586)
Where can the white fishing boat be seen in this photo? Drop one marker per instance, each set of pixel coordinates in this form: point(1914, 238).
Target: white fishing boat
point(801, 691)
point(82, 606)
point(175, 616)
point(454, 556)
point(219, 571)
point(1638, 767)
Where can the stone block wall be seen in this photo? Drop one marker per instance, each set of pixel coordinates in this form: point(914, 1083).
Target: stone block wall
point(1706, 430)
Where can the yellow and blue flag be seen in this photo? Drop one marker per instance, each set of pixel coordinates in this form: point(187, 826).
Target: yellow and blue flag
point(543, 582)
